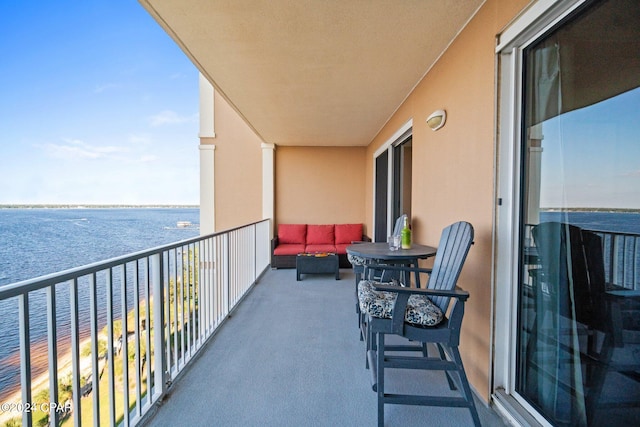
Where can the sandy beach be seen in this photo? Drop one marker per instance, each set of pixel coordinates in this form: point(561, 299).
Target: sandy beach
point(41, 381)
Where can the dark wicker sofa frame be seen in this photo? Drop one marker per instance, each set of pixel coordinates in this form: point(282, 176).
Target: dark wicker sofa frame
point(289, 261)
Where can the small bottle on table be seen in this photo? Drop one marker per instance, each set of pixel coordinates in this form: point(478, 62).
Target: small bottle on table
point(405, 235)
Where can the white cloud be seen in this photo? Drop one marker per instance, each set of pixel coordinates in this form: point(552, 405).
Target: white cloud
point(77, 149)
point(168, 117)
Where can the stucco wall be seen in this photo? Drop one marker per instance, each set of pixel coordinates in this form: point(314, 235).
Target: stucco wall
point(238, 169)
point(453, 168)
point(320, 185)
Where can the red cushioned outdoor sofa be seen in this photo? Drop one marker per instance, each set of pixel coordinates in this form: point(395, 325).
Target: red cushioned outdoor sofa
point(294, 239)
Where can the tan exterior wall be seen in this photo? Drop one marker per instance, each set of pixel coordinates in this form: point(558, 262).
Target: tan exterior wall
point(238, 169)
point(453, 168)
point(320, 185)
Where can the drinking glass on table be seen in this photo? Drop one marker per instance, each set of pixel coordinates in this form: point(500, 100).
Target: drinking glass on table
point(394, 243)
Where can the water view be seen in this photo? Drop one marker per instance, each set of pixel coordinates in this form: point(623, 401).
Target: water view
point(36, 242)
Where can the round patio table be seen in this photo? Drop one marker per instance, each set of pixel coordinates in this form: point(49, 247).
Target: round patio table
point(379, 251)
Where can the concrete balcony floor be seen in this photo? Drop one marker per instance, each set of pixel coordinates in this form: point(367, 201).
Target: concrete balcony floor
point(290, 356)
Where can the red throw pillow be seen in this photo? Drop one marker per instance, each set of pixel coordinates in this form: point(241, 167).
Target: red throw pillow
point(320, 235)
point(292, 233)
point(347, 233)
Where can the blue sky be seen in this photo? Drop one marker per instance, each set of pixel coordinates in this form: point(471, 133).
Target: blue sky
point(591, 156)
point(97, 105)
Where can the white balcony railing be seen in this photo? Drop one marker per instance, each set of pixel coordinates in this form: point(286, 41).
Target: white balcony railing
point(621, 253)
point(103, 367)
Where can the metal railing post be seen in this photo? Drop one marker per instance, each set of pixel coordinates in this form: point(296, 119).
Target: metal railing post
point(52, 345)
point(25, 355)
point(160, 362)
point(124, 348)
point(227, 275)
point(75, 352)
point(95, 361)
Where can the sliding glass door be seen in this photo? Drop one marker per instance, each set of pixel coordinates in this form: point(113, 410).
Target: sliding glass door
point(381, 197)
point(578, 336)
point(393, 170)
point(402, 160)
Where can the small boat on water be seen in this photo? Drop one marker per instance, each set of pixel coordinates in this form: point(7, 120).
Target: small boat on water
point(184, 224)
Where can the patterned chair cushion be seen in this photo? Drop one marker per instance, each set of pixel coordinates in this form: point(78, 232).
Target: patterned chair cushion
point(356, 260)
point(420, 310)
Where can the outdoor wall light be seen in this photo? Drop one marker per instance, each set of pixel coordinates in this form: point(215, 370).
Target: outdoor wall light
point(436, 120)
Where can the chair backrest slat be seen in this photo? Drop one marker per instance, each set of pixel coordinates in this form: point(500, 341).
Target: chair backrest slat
point(397, 229)
point(453, 248)
point(573, 269)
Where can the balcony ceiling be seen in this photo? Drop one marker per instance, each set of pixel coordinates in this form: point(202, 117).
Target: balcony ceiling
point(315, 72)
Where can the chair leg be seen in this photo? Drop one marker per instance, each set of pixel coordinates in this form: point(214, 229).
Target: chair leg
point(358, 274)
point(443, 356)
point(370, 342)
point(464, 383)
point(380, 379)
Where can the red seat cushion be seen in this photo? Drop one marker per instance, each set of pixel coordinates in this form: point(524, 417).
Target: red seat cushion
point(347, 233)
point(288, 249)
point(341, 249)
point(292, 234)
point(320, 235)
point(312, 249)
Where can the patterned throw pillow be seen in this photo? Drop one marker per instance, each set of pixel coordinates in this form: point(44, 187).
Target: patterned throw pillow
point(420, 310)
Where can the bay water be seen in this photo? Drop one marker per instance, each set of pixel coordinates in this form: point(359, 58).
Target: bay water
point(35, 242)
point(612, 222)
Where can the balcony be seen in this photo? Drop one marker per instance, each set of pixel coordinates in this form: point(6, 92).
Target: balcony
point(229, 342)
point(290, 355)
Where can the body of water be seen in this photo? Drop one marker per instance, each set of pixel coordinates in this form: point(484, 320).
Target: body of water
point(613, 222)
point(36, 242)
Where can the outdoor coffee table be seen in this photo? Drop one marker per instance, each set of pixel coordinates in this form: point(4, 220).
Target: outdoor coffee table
point(316, 264)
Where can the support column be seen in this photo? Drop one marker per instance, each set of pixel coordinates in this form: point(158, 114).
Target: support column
point(207, 158)
point(207, 111)
point(268, 183)
point(207, 189)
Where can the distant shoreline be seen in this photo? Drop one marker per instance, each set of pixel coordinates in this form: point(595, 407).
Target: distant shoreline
point(178, 206)
point(91, 206)
point(611, 210)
